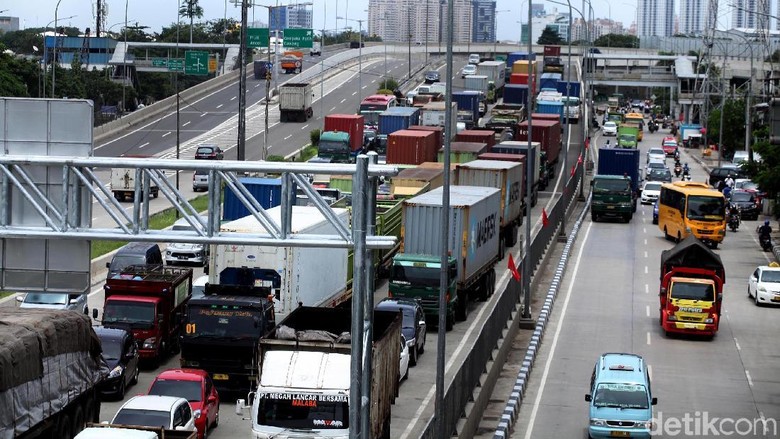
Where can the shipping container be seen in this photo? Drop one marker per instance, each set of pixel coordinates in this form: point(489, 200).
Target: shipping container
point(552, 50)
point(463, 152)
point(351, 124)
point(495, 72)
point(481, 136)
point(519, 56)
point(524, 66)
point(520, 78)
point(540, 174)
point(467, 100)
point(574, 88)
point(411, 180)
point(398, 118)
point(515, 94)
point(547, 133)
point(473, 238)
point(267, 192)
point(551, 107)
point(434, 113)
point(341, 182)
point(436, 129)
point(411, 147)
point(477, 83)
point(545, 116)
point(504, 176)
point(549, 80)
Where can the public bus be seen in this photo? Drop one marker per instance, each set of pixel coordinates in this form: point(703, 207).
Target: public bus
point(373, 105)
point(636, 118)
point(686, 207)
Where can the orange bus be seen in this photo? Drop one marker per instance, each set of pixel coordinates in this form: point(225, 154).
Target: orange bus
point(687, 207)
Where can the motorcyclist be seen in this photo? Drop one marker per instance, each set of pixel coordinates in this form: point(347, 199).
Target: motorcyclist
point(733, 212)
point(677, 169)
point(764, 231)
point(677, 155)
point(686, 169)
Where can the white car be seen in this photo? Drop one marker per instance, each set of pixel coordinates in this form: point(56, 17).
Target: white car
point(468, 69)
point(764, 285)
point(403, 371)
point(185, 253)
point(656, 153)
point(73, 302)
point(650, 192)
point(609, 128)
point(169, 412)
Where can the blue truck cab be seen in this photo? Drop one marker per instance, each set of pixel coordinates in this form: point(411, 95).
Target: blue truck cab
point(620, 400)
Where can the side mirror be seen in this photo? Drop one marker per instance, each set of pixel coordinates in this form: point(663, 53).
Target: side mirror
point(20, 298)
point(108, 265)
point(160, 318)
point(422, 323)
point(654, 401)
point(94, 313)
point(212, 399)
point(588, 398)
point(239, 407)
point(196, 414)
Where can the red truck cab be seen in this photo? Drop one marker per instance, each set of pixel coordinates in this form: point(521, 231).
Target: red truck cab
point(149, 301)
point(691, 291)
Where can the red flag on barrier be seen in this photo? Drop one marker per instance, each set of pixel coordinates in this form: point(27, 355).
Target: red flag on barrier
point(545, 220)
point(579, 159)
point(513, 268)
point(573, 170)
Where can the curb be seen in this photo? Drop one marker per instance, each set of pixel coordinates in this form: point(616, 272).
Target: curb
point(512, 409)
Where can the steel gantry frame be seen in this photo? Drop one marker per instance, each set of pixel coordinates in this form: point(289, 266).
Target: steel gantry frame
point(81, 184)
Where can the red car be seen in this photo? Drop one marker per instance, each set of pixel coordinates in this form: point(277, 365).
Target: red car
point(196, 387)
point(669, 147)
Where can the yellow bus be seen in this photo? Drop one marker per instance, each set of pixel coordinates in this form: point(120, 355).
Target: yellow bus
point(686, 207)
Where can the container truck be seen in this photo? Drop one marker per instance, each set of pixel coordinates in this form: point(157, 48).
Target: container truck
point(495, 72)
point(434, 113)
point(691, 289)
point(548, 134)
point(516, 94)
point(514, 158)
point(338, 147)
point(290, 272)
point(411, 147)
point(468, 106)
point(477, 83)
point(334, 147)
point(263, 69)
point(266, 191)
point(540, 176)
point(521, 79)
point(398, 118)
point(123, 182)
point(463, 152)
point(437, 130)
point(573, 87)
point(508, 178)
point(615, 185)
point(223, 326)
point(551, 107)
point(291, 61)
point(505, 116)
point(295, 102)
point(473, 242)
point(148, 300)
point(552, 59)
point(303, 389)
point(549, 81)
point(627, 136)
point(51, 366)
point(525, 66)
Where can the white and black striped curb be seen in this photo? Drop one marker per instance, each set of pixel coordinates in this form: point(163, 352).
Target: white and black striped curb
point(512, 409)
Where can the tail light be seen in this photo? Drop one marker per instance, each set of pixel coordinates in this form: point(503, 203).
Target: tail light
point(389, 294)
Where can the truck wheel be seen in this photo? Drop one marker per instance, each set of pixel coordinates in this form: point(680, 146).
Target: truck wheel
point(594, 217)
point(78, 420)
point(155, 193)
point(64, 430)
point(282, 117)
point(462, 310)
point(449, 324)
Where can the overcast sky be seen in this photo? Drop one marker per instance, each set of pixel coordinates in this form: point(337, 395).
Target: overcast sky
point(159, 13)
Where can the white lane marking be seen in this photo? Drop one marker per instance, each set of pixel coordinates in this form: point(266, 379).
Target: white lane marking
point(749, 379)
point(258, 85)
point(305, 126)
point(189, 122)
point(364, 87)
point(537, 402)
point(647, 310)
point(143, 145)
point(736, 343)
point(644, 229)
point(354, 93)
point(234, 98)
point(334, 108)
point(645, 241)
point(342, 101)
point(220, 105)
point(168, 133)
point(288, 137)
point(647, 288)
point(645, 252)
point(203, 114)
point(645, 269)
point(648, 338)
point(502, 281)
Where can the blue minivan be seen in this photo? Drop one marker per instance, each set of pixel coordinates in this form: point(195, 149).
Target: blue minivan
point(620, 398)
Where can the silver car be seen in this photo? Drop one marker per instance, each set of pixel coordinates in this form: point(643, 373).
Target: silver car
point(185, 253)
point(73, 302)
point(200, 180)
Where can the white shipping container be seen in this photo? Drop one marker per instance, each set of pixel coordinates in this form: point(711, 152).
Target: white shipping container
point(309, 276)
point(494, 70)
point(502, 175)
point(476, 83)
point(433, 114)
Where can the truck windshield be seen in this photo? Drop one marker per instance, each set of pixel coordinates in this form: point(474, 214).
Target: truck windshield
point(370, 113)
point(608, 186)
point(409, 275)
point(322, 412)
point(693, 291)
point(704, 208)
point(632, 396)
point(137, 314)
point(330, 148)
point(220, 321)
point(629, 138)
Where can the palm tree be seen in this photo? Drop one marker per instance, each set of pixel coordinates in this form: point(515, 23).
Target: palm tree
point(190, 8)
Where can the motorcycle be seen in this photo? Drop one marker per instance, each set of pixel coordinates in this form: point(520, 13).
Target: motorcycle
point(734, 222)
point(766, 242)
point(652, 127)
point(677, 170)
point(686, 177)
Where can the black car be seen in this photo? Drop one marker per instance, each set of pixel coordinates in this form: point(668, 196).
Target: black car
point(719, 174)
point(121, 356)
point(413, 326)
point(432, 76)
point(749, 207)
point(659, 175)
point(209, 152)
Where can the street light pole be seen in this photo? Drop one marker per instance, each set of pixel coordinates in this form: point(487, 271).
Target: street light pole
point(43, 80)
point(124, 70)
point(409, 29)
point(526, 314)
point(241, 141)
point(54, 60)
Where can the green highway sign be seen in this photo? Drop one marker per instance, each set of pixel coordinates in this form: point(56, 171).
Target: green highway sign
point(257, 37)
point(196, 62)
point(159, 62)
point(298, 38)
point(175, 65)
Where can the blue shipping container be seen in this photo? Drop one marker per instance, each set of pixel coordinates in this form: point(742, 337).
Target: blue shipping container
point(398, 118)
point(574, 88)
point(267, 192)
point(467, 100)
point(550, 107)
point(515, 94)
point(549, 80)
point(619, 161)
point(519, 56)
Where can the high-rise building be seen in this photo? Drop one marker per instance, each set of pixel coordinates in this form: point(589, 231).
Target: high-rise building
point(290, 16)
point(9, 24)
point(744, 14)
point(418, 20)
point(695, 16)
point(655, 18)
point(483, 26)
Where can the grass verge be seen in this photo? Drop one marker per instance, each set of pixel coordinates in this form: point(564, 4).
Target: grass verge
point(158, 221)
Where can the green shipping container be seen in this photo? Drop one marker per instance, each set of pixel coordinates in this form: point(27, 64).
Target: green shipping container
point(341, 182)
point(464, 152)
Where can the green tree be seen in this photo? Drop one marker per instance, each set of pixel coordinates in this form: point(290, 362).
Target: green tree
point(616, 40)
point(191, 9)
point(766, 173)
point(733, 126)
point(549, 36)
point(24, 41)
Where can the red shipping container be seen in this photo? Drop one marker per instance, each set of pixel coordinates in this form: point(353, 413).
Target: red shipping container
point(480, 136)
point(411, 147)
point(436, 129)
point(351, 124)
point(520, 78)
point(552, 50)
point(547, 133)
point(545, 116)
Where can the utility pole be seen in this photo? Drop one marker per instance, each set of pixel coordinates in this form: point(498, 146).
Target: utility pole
point(409, 28)
point(241, 142)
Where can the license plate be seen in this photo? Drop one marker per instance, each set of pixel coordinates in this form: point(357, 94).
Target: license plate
point(776, 299)
point(220, 376)
point(610, 207)
point(619, 434)
point(689, 326)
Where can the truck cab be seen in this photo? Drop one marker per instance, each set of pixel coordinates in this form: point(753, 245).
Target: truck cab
point(335, 147)
point(612, 197)
point(417, 277)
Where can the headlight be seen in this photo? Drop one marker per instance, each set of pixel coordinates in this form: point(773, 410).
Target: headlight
point(708, 321)
point(671, 318)
point(167, 252)
point(410, 343)
point(116, 372)
point(149, 343)
point(644, 424)
point(598, 422)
